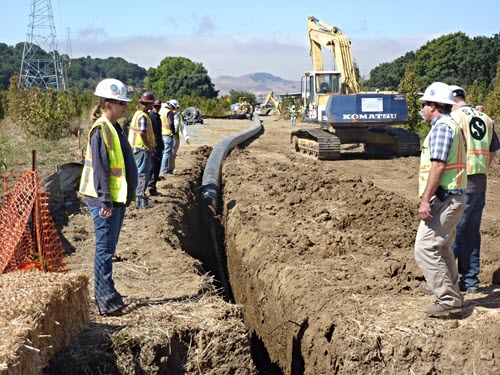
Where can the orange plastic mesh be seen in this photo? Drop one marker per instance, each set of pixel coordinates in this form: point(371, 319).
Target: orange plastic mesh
point(26, 226)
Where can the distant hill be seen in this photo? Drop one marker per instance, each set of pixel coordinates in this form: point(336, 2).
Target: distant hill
point(257, 83)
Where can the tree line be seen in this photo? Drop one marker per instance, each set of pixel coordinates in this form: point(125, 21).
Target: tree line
point(454, 59)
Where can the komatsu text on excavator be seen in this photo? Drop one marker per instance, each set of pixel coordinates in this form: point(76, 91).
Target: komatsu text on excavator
point(332, 99)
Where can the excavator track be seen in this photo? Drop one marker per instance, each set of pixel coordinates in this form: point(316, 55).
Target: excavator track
point(402, 142)
point(317, 143)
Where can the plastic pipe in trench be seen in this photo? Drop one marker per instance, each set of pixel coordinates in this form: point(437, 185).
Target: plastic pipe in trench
point(210, 189)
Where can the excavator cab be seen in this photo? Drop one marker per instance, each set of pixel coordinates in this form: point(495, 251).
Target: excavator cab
point(316, 89)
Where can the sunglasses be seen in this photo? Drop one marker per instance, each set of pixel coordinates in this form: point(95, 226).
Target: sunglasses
point(123, 104)
point(426, 103)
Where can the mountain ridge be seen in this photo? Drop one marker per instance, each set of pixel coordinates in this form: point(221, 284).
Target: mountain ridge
point(259, 84)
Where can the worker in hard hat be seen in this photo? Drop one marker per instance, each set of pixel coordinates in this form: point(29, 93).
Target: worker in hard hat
point(179, 128)
point(108, 182)
point(141, 137)
point(293, 115)
point(482, 144)
point(167, 132)
point(154, 115)
point(442, 184)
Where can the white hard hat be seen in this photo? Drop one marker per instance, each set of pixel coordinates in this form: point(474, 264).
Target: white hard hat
point(458, 91)
point(438, 92)
point(174, 103)
point(111, 88)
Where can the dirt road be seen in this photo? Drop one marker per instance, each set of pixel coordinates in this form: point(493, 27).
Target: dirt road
point(320, 259)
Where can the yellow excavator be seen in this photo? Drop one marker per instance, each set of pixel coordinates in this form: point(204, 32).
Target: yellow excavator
point(332, 99)
point(277, 105)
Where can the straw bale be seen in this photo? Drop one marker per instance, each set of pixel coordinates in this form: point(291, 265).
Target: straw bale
point(40, 314)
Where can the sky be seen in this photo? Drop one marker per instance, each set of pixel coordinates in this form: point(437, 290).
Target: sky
point(235, 38)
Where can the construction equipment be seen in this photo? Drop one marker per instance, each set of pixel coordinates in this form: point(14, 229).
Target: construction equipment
point(192, 115)
point(270, 98)
point(332, 99)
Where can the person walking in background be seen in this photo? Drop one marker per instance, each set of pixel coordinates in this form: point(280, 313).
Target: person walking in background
point(141, 137)
point(479, 108)
point(293, 115)
point(167, 132)
point(179, 127)
point(482, 144)
point(108, 182)
point(442, 183)
point(154, 115)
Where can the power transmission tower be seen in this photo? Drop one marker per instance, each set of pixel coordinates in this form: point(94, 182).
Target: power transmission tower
point(66, 58)
point(39, 67)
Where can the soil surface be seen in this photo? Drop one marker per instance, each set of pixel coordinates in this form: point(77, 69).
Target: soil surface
point(320, 256)
point(320, 260)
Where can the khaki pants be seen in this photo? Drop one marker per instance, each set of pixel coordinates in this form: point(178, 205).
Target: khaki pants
point(433, 252)
point(173, 154)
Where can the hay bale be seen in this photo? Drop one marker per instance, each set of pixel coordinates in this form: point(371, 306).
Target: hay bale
point(40, 314)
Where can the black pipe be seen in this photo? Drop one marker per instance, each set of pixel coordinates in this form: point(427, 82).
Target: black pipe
point(210, 192)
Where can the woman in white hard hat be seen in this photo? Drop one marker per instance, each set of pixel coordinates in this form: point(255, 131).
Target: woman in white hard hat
point(109, 181)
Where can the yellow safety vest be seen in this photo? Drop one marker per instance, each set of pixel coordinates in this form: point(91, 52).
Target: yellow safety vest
point(178, 128)
point(134, 137)
point(455, 175)
point(165, 125)
point(478, 130)
point(117, 180)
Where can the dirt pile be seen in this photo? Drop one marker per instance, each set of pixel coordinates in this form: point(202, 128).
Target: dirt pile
point(320, 255)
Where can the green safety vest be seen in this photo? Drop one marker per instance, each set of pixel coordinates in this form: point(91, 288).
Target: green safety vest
point(134, 137)
point(117, 180)
point(478, 130)
point(455, 175)
point(178, 129)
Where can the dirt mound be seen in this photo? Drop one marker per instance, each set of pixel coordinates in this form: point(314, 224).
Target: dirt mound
point(322, 261)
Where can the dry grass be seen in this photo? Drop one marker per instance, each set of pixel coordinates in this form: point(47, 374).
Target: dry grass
point(40, 313)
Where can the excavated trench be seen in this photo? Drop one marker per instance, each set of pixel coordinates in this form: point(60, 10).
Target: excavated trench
point(206, 242)
point(321, 261)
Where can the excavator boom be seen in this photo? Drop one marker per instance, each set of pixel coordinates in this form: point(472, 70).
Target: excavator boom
point(332, 99)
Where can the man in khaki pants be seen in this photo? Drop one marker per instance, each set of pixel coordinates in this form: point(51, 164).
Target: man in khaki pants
point(442, 184)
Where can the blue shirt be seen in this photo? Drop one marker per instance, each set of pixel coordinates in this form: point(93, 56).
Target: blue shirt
point(441, 139)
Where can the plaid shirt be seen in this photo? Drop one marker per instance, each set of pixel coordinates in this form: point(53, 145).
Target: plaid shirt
point(441, 139)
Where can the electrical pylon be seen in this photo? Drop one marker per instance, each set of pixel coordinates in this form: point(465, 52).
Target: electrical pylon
point(41, 64)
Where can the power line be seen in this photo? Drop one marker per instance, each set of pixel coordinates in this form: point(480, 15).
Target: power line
point(41, 63)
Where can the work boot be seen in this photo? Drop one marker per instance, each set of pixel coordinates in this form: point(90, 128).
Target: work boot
point(438, 308)
point(154, 192)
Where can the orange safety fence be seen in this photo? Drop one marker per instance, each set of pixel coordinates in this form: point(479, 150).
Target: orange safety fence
point(28, 236)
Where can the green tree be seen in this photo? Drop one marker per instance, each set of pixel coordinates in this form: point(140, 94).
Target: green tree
point(388, 75)
point(180, 77)
point(492, 107)
point(476, 93)
point(409, 87)
point(440, 59)
point(234, 97)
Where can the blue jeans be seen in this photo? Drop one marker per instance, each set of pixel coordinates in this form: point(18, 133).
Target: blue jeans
point(107, 232)
point(143, 161)
point(167, 150)
point(467, 244)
